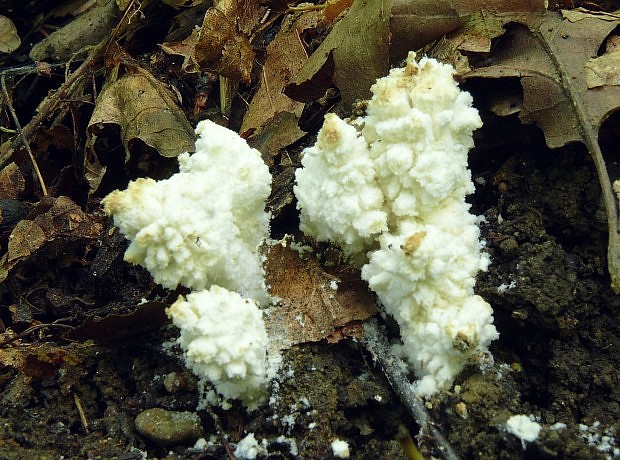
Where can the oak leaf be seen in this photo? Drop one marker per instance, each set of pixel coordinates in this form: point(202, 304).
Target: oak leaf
point(549, 57)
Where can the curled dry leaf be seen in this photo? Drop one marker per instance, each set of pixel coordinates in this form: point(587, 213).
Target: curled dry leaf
point(222, 44)
point(56, 229)
point(311, 309)
point(549, 58)
point(352, 56)
point(375, 34)
point(145, 110)
point(484, 21)
point(9, 40)
point(604, 70)
point(286, 55)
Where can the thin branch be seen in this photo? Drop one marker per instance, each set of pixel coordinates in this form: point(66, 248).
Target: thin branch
point(21, 135)
point(376, 343)
point(34, 328)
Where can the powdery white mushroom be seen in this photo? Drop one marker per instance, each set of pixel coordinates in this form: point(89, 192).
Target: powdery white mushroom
point(203, 225)
point(523, 427)
point(396, 188)
point(336, 189)
point(224, 340)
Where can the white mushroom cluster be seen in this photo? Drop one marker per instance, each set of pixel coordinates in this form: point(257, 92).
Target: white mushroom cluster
point(390, 190)
point(202, 229)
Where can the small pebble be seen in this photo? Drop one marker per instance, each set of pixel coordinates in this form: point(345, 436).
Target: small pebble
point(175, 382)
point(166, 427)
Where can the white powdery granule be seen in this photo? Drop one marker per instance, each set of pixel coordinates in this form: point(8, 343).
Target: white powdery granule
point(524, 428)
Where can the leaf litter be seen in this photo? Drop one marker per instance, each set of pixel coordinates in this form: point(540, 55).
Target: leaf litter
point(62, 270)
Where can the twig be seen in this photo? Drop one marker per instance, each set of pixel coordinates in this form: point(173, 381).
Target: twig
point(80, 409)
point(29, 69)
point(34, 328)
point(21, 136)
point(376, 343)
point(50, 103)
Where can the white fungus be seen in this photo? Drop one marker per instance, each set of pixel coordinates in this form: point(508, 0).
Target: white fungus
point(202, 229)
point(393, 195)
point(523, 427)
point(340, 449)
point(224, 340)
point(249, 448)
point(203, 225)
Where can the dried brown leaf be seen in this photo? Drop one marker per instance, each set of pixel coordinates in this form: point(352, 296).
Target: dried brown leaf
point(222, 48)
point(286, 55)
point(12, 182)
point(223, 42)
point(377, 33)
point(359, 47)
point(484, 21)
point(544, 67)
point(604, 70)
point(54, 227)
point(9, 40)
point(145, 110)
point(333, 8)
point(550, 58)
point(310, 309)
point(184, 48)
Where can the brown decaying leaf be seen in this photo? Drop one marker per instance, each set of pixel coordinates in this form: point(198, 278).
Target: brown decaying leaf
point(9, 40)
point(604, 70)
point(333, 8)
point(56, 229)
point(377, 33)
point(184, 48)
point(285, 57)
point(12, 182)
point(146, 110)
point(222, 44)
point(310, 310)
point(222, 49)
point(359, 47)
point(484, 21)
point(549, 58)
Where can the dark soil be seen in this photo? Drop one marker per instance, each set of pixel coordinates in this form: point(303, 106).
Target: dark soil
point(556, 357)
point(73, 388)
